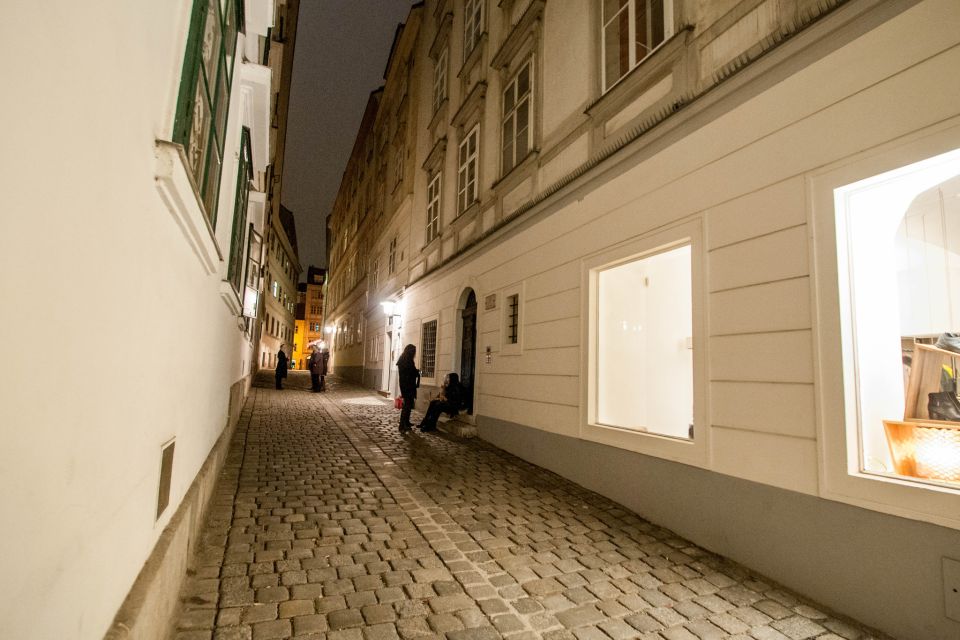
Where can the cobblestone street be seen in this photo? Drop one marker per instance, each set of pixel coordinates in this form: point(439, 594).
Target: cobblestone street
point(327, 523)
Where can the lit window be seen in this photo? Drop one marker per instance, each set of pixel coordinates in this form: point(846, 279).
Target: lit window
point(898, 250)
point(632, 29)
point(517, 129)
point(467, 175)
point(440, 80)
point(201, 116)
point(433, 207)
point(644, 360)
point(428, 349)
point(473, 25)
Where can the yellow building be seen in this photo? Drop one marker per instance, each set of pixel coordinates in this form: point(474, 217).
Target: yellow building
point(300, 354)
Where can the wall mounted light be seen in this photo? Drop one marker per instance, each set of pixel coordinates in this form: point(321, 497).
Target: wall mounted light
point(388, 307)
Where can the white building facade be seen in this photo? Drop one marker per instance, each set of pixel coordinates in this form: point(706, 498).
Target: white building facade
point(137, 156)
point(695, 256)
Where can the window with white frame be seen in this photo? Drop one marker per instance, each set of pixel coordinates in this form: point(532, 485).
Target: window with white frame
point(440, 80)
point(643, 359)
point(898, 263)
point(428, 349)
point(392, 256)
point(473, 25)
point(433, 207)
point(468, 156)
point(632, 29)
point(517, 130)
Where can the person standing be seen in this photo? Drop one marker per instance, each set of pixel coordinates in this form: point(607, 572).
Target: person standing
point(409, 378)
point(324, 359)
point(281, 371)
point(316, 365)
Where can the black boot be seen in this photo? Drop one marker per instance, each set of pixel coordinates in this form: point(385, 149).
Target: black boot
point(943, 405)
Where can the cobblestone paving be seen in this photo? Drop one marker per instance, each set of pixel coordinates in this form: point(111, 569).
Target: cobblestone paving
point(328, 524)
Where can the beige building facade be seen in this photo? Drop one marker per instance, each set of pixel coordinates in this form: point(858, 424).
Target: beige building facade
point(693, 256)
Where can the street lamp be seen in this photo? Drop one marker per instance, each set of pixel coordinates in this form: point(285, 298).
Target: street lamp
point(388, 307)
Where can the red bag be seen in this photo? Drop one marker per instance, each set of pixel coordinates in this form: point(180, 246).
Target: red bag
point(398, 403)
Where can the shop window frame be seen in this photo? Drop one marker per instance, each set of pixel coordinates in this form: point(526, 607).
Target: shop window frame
point(840, 476)
point(690, 451)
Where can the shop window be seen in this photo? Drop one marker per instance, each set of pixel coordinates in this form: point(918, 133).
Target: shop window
point(428, 349)
point(644, 357)
point(898, 255)
point(632, 29)
point(201, 116)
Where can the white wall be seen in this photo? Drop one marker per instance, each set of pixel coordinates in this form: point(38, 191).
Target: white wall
point(95, 262)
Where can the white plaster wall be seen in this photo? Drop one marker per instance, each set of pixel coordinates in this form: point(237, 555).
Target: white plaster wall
point(147, 350)
point(745, 174)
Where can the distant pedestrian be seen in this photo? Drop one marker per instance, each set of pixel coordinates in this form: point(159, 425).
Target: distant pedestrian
point(409, 378)
point(318, 367)
point(449, 401)
point(281, 371)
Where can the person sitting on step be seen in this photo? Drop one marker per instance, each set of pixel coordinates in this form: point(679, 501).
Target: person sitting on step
point(450, 401)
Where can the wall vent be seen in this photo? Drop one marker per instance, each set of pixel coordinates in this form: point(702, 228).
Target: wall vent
point(166, 473)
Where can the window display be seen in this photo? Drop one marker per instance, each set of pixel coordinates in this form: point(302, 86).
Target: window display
point(644, 345)
point(898, 241)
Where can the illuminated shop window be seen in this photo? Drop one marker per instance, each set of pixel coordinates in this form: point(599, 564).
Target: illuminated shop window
point(898, 248)
point(644, 359)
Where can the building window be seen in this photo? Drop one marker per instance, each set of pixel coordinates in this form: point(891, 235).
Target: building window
point(392, 256)
point(275, 289)
point(440, 81)
point(374, 274)
point(898, 255)
point(467, 174)
point(244, 175)
point(398, 168)
point(517, 129)
point(428, 349)
point(643, 322)
point(632, 29)
point(473, 25)
point(513, 318)
point(433, 207)
point(201, 117)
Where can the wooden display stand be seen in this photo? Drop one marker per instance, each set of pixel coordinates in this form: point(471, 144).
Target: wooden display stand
point(921, 447)
point(925, 373)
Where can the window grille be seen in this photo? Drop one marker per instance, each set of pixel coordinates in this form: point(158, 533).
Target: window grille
point(428, 349)
point(513, 318)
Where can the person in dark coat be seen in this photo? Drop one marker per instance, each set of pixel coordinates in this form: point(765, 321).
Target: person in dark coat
point(409, 378)
point(318, 367)
point(450, 401)
point(281, 371)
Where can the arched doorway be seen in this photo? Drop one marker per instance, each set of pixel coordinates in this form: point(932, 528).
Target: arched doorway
point(468, 345)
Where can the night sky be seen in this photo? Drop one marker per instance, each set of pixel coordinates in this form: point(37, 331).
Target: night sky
point(341, 53)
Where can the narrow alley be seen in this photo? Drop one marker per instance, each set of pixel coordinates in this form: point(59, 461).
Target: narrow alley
point(327, 523)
